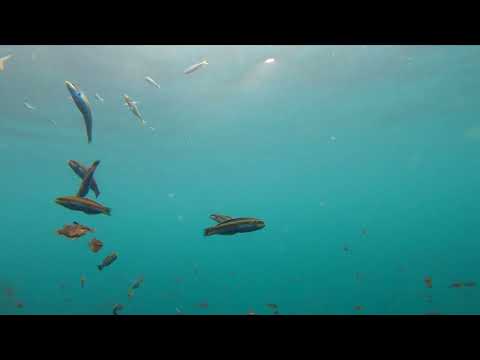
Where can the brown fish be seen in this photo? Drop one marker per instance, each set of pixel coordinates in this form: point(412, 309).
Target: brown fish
point(85, 205)
point(428, 281)
point(95, 245)
point(74, 231)
point(81, 170)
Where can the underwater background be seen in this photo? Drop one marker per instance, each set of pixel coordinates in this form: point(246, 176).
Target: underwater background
point(363, 161)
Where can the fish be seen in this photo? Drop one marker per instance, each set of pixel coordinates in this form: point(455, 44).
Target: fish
point(75, 230)
point(346, 248)
point(272, 306)
point(3, 60)
point(136, 284)
point(269, 61)
point(99, 98)
point(151, 81)
point(19, 305)
point(233, 226)
point(117, 308)
point(132, 105)
point(81, 171)
point(428, 282)
point(195, 67)
point(358, 307)
point(456, 285)
point(28, 106)
point(108, 260)
point(95, 245)
point(85, 205)
point(82, 281)
point(87, 179)
point(276, 312)
point(83, 105)
point(220, 218)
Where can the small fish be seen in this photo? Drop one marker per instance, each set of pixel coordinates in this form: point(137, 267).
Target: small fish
point(82, 281)
point(117, 308)
point(19, 305)
point(346, 248)
point(108, 260)
point(234, 226)
point(132, 105)
point(251, 313)
point(428, 282)
point(95, 245)
point(81, 171)
point(83, 105)
point(151, 81)
point(276, 312)
point(456, 285)
point(99, 98)
point(75, 230)
point(358, 308)
point(85, 205)
point(269, 61)
point(136, 284)
point(469, 284)
point(272, 306)
point(3, 60)
point(28, 106)
point(87, 180)
point(179, 312)
point(364, 232)
point(195, 67)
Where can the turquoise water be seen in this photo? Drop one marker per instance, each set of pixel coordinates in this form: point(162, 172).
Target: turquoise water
point(375, 148)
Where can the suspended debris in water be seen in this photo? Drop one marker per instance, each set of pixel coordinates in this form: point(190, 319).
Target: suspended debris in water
point(428, 281)
point(269, 61)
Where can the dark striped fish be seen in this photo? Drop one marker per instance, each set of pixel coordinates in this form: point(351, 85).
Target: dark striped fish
point(85, 205)
point(87, 180)
point(81, 170)
point(108, 260)
point(229, 226)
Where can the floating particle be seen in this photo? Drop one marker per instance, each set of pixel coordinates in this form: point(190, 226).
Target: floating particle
point(364, 232)
point(346, 248)
point(180, 218)
point(428, 282)
point(269, 61)
point(171, 195)
point(333, 138)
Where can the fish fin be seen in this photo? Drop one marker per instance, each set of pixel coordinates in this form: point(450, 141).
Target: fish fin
point(220, 218)
point(100, 267)
point(207, 232)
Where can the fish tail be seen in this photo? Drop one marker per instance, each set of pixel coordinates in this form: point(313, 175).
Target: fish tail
point(208, 232)
point(107, 211)
point(100, 267)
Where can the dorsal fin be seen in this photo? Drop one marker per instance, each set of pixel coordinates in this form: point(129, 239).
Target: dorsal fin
point(220, 218)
